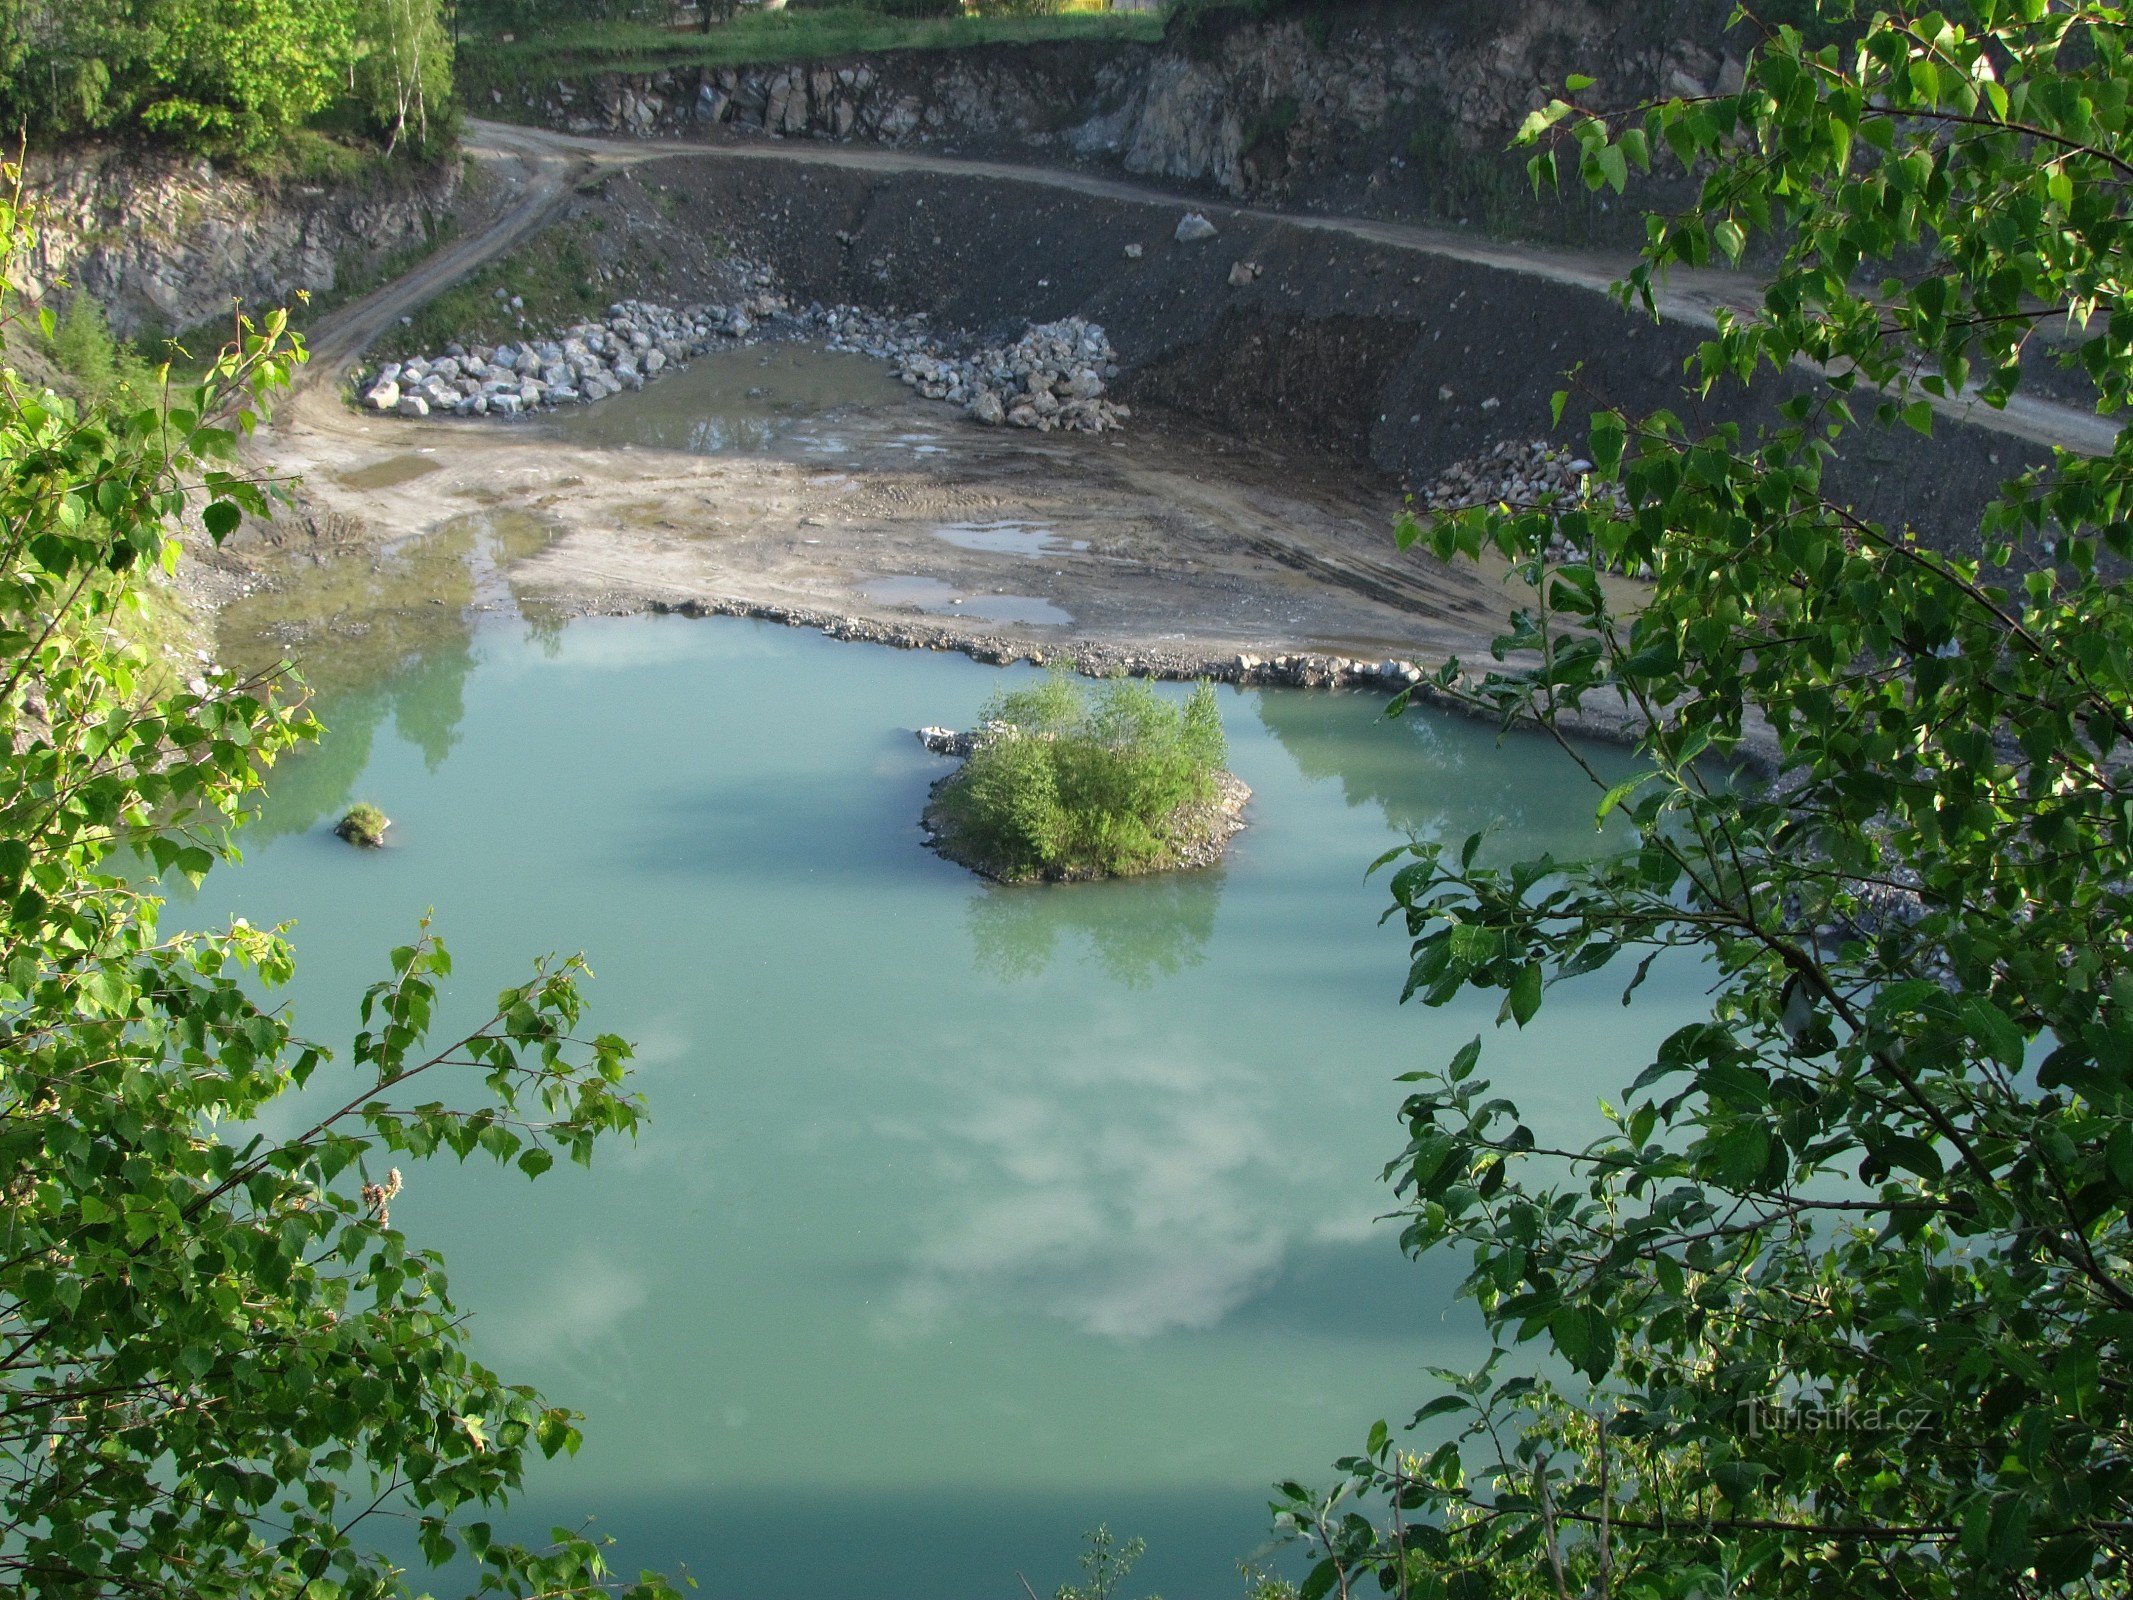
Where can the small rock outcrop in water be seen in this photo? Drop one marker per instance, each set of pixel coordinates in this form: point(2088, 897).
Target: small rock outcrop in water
point(364, 825)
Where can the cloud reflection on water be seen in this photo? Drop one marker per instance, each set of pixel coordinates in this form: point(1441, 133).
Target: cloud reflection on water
point(1141, 1194)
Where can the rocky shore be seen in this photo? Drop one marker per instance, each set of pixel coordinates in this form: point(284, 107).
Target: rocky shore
point(1618, 724)
point(1053, 378)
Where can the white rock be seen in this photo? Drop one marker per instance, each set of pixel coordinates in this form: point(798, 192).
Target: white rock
point(383, 395)
point(1193, 228)
point(412, 405)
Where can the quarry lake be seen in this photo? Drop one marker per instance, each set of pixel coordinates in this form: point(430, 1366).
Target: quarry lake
point(967, 1217)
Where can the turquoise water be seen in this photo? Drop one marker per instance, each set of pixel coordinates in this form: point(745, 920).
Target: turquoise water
point(968, 1216)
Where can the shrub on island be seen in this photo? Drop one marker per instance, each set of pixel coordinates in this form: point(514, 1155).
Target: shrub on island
point(1063, 782)
point(364, 825)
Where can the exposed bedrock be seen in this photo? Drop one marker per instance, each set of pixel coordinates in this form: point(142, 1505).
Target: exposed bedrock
point(166, 242)
point(1387, 100)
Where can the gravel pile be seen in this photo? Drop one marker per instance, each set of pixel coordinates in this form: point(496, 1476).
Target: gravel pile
point(1519, 472)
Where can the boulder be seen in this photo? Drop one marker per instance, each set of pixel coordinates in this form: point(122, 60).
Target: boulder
point(383, 395)
point(411, 405)
point(1193, 228)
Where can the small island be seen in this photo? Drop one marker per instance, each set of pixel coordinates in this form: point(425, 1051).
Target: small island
point(364, 825)
point(1064, 784)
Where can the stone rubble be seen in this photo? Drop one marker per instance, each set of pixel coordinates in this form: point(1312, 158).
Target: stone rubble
point(1053, 378)
point(587, 362)
point(1522, 474)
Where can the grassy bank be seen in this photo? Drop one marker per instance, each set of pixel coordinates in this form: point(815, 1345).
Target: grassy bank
point(766, 37)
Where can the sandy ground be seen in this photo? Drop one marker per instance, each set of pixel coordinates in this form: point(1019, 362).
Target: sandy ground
point(1163, 539)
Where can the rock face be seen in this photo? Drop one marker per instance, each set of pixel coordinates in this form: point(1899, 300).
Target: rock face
point(1249, 105)
point(166, 243)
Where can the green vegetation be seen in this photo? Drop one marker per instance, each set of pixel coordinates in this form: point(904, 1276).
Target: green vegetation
point(222, 1353)
point(555, 283)
point(1105, 1565)
point(229, 77)
point(568, 45)
point(1841, 1301)
point(1070, 784)
point(92, 363)
point(364, 825)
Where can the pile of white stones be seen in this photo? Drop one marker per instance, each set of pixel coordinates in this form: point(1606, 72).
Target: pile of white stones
point(1522, 474)
point(1050, 379)
point(636, 340)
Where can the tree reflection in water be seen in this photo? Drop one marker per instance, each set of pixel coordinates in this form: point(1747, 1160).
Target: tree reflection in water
point(391, 634)
point(1137, 930)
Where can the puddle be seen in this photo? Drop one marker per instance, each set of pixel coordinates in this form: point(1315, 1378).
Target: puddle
point(1015, 608)
point(923, 594)
point(389, 473)
point(940, 599)
point(1004, 538)
point(753, 399)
